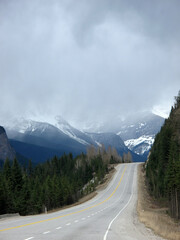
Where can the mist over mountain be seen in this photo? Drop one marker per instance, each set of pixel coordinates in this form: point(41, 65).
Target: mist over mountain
point(40, 141)
point(115, 141)
point(72, 132)
point(45, 136)
point(144, 125)
point(137, 131)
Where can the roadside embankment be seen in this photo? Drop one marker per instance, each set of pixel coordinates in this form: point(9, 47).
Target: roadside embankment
point(152, 215)
point(9, 215)
point(91, 195)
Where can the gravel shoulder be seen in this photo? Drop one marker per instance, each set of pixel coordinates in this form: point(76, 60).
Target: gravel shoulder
point(152, 215)
point(127, 226)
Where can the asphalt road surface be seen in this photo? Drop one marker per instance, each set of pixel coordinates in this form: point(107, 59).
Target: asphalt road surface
point(110, 215)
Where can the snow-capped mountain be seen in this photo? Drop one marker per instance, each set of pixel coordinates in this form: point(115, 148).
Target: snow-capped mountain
point(109, 139)
point(43, 139)
point(30, 127)
point(140, 145)
point(22, 127)
point(115, 141)
point(147, 124)
point(139, 133)
point(40, 140)
point(72, 132)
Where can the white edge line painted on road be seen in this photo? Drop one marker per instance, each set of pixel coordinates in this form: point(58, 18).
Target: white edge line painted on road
point(29, 238)
point(58, 228)
point(46, 232)
point(105, 236)
point(107, 231)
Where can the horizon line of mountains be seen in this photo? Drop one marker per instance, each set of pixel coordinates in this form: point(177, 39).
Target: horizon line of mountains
point(40, 141)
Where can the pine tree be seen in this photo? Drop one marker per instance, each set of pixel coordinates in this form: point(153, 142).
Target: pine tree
point(3, 205)
point(163, 165)
point(17, 184)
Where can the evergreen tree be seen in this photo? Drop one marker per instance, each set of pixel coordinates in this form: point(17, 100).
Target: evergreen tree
point(163, 165)
point(17, 184)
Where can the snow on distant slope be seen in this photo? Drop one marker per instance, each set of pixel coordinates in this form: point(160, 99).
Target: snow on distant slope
point(139, 133)
point(140, 145)
point(28, 126)
point(72, 132)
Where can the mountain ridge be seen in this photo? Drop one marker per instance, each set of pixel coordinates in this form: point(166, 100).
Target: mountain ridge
point(132, 135)
point(6, 150)
point(61, 138)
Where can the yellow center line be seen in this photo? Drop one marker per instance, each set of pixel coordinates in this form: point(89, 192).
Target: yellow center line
point(69, 214)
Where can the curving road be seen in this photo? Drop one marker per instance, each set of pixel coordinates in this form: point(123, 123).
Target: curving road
point(107, 216)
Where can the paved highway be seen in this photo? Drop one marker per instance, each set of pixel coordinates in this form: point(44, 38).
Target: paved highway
point(96, 219)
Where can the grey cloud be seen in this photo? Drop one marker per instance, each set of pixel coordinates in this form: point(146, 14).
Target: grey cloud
point(88, 60)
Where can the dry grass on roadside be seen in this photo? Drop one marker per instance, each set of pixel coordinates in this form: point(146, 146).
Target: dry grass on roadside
point(152, 215)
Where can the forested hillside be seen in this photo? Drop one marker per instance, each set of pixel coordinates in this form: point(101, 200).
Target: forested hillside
point(163, 165)
point(55, 183)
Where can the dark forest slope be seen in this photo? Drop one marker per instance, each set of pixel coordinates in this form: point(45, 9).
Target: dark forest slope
point(163, 165)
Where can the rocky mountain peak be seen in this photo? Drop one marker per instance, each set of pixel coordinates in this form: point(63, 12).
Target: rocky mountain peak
point(6, 151)
point(2, 130)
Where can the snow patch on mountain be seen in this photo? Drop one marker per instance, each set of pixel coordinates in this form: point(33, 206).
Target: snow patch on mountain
point(99, 144)
point(140, 145)
point(27, 126)
point(67, 129)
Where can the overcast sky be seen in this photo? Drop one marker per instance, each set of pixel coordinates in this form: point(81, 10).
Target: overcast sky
point(88, 60)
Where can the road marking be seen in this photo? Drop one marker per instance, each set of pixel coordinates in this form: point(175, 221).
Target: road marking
point(110, 224)
point(76, 221)
point(29, 238)
point(46, 232)
point(89, 216)
point(69, 214)
point(68, 224)
point(83, 219)
point(58, 228)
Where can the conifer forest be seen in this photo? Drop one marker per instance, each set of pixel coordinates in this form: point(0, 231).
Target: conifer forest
point(163, 165)
point(53, 184)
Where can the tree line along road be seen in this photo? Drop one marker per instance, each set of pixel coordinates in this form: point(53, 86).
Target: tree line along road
point(110, 215)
